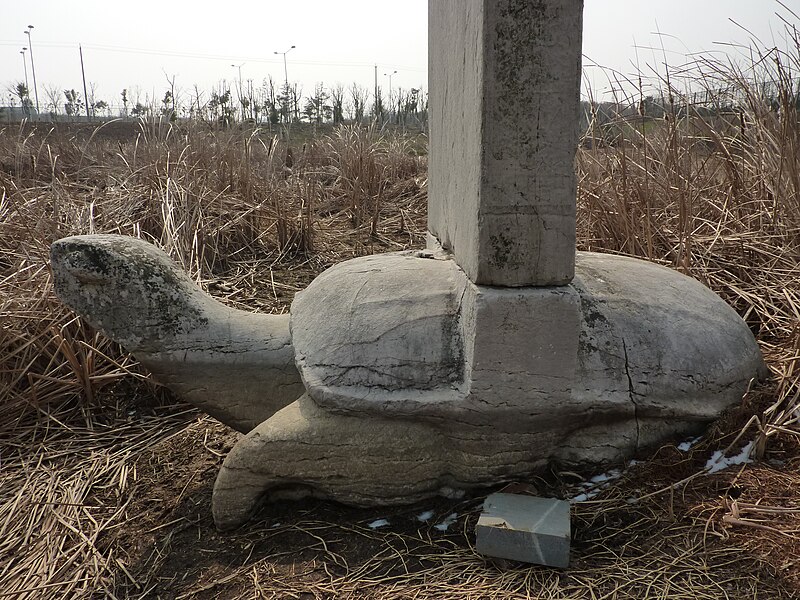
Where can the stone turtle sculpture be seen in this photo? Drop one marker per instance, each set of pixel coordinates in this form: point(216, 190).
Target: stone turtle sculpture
point(411, 380)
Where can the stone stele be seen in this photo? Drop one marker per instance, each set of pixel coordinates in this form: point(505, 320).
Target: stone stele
point(493, 352)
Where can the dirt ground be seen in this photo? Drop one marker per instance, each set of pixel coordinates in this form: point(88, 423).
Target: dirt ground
point(640, 537)
point(106, 487)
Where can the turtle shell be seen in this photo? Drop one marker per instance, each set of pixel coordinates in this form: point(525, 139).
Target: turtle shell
point(628, 343)
point(381, 330)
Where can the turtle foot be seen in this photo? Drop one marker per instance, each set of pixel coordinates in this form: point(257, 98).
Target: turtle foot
point(308, 451)
point(304, 451)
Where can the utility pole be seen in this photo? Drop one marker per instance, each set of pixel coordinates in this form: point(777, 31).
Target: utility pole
point(33, 68)
point(83, 75)
point(389, 75)
point(376, 92)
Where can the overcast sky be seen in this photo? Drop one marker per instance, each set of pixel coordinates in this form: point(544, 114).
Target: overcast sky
point(139, 44)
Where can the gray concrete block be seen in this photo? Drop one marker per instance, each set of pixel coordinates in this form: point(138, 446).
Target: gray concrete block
point(525, 528)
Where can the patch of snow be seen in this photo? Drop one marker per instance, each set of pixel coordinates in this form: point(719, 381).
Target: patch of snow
point(378, 523)
point(605, 477)
point(584, 497)
point(718, 461)
point(426, 516)
point(592, 487)
point(448, 520)
point(687, 445)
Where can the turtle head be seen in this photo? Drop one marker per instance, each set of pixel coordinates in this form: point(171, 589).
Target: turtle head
point(127, 288)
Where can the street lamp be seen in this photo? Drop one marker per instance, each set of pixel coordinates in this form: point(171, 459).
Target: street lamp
point(240, 71)
point(25, 66)
point(25, 105)
point(285, 70)
point(33, 67)
point(286, 81)
point(389, 75)
point(241, 99)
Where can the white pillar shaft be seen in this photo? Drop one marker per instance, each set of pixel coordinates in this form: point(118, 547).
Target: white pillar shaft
point(504, 100)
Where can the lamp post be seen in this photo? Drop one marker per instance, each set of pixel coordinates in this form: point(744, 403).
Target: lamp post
point(25, 106)
point(389, 75)
point(33, 67)
point(25, 66)
point(240, 72)
point(241, 98)
point(286, 82)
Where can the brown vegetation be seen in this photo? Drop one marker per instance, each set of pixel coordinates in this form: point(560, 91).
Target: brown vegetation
point(106, 479)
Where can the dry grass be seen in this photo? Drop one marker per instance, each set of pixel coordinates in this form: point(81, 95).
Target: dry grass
point(106, 480)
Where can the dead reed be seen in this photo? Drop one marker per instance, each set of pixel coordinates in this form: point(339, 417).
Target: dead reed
point(105, 479)
point(246, 222)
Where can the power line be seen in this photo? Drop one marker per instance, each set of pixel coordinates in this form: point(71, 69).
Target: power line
point(196, 55)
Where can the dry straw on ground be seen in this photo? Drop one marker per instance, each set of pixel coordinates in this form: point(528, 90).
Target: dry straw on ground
point(106, 479)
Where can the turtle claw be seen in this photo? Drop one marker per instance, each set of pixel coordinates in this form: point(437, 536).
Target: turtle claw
point(308, 451)
point(304, 451)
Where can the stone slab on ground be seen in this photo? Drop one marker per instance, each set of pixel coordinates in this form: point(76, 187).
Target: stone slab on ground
point(525, 528)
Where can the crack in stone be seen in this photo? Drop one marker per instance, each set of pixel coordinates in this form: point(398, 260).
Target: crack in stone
point(631, 393)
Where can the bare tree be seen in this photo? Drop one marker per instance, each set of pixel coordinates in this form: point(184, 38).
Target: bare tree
point(20, 90)
point(252, 102)
point(92, 98)
point(337, 103)
point(197, 110)
point(378, 108)
point(74, 104)
point(359, 97)
point(295, 95)
point(271, 102)
point(316, 110)
point(173, 105)
point(53, 95)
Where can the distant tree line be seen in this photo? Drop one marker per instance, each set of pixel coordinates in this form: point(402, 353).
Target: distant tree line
point(229, 103)
point(271, 103)
point(608, 121)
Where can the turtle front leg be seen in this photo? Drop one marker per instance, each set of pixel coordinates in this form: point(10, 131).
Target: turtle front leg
point(304, 451)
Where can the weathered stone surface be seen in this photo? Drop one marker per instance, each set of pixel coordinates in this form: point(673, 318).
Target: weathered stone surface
point(627, 356)
point(504, 380)
point(504, 100)
point(524, 528)
point(420, 377)
point(414, 355)
point(627, 342)
point(236, 366)
point(304, 450)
